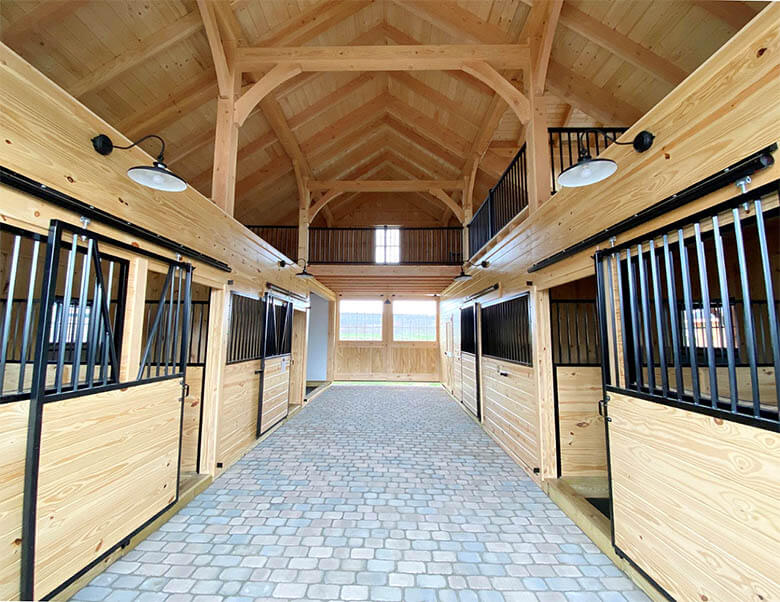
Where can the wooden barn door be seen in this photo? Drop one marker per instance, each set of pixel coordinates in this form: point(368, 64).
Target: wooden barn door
point(274, 396)
point(469, 353)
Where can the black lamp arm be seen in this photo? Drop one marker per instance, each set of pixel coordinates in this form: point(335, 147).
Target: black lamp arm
point(137, 142)
point(104, 145)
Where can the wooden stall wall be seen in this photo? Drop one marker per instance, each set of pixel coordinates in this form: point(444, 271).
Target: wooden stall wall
point(387, 359)
point(190, 430)
point(13, 418)
point(469, 383)
point(583, 446)
point(238, 415)
point(510, 409)
point(276, 391)
point(696, 500)
point(719, 115)
point(94, 489)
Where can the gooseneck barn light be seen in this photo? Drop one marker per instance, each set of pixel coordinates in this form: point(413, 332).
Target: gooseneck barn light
point(462, 277)
point(588, 170)
point(156, 176)
point(304, 274)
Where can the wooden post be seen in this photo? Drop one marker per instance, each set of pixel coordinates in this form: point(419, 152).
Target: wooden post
point(304, 202)
point(135, 308)
point(542, 344)
point(223, 179)
point(468, 207)
point(538, 154)
point(216, 356)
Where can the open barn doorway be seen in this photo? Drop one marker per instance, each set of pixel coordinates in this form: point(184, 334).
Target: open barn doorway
point(576, 352)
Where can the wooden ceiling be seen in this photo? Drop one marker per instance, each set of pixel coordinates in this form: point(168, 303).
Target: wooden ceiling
point(146, 67)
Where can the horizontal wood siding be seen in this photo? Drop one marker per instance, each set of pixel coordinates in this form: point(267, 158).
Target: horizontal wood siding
point(469, 383)
point(191, 421)
point(510, 409)
point(696, 500)
point(382, 361)
point(95, 490)
point(582, 437)
point(13, 417)
point(276, 391)
point(238, 415)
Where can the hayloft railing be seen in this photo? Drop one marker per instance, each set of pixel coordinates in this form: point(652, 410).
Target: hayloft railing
point(282, 238)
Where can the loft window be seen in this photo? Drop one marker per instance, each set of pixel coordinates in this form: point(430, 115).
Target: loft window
point(360, 320)
point(388, 245)
point(414, 321)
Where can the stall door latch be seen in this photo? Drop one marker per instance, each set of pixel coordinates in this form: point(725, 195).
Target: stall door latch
point(603, 408)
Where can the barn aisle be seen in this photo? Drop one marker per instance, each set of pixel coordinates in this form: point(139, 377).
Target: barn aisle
point(370, 493)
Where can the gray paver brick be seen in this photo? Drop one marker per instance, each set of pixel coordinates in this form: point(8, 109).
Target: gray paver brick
point(369, 493)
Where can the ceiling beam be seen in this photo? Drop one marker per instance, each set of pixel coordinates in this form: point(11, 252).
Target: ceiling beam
point(224, 72)
point(129, 58)
point(448, 201)
point(596, 102)
point(276, 76)
point(384, 185)
point(384, 58)
point(621, 45)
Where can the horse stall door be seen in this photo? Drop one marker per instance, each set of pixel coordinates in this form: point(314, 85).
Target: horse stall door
point(106, 404)
point(576, 353)
point(692, 343)
point(242, 379)
point(300, 328)
point(274, 399)
point(469, 359)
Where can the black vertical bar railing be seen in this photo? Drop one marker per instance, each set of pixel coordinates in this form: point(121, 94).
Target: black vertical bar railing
point(382, 244)
point(564, 150)
point(282, 238)
point(575, 332)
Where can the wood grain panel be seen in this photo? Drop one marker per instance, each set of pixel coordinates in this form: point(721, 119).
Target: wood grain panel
point(276, 391)
point(95, 490)
point(191, 421)
point(13, 417)
point(582, 437)
point(696, 500)
point(238, 416)
point(414, 362)
point(468, 365)
point(382, 361)
point(510, 409)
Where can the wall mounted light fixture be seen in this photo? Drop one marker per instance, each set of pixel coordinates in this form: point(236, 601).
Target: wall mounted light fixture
point(304, 274)
point(156, 176)
point(463, 276)
point(588, 170)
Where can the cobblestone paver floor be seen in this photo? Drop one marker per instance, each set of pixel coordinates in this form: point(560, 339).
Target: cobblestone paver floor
point(370, 493)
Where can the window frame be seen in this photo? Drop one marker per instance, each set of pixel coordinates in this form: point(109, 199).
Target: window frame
point(435, 338)
point(385, 247)
point(356, 340)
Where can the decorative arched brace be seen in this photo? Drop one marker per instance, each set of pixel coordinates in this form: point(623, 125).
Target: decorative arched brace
point(326, 198)
point(442, 196)
point(260, 89)
point(516, 100)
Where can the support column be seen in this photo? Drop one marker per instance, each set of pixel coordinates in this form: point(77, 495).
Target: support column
point(542, 344)
point(538, 153)
point(223, 179)
point(132, 336)
point(211, 398)
point(304, 203)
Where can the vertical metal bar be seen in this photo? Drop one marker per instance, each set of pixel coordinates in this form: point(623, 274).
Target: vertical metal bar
point(623, 328)
point(28, 316)
point(152, 333)
point(750, 335)
point(774, 331)
point(186, 318)
point(605, 351)
point(673, 317)
point(634, 321)
point(707, 313)
point(726, 309)
point(65, 313)
point(568, 333)
point(83, 293)
point(176, 325)
point(686, 284)
point(37, 394)
point(92, 334)
point(646, 318)
point(168, 353)
point(112, 354)
point(659, 320)
point(9, 309)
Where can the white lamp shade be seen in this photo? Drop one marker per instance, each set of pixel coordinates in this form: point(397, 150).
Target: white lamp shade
point(462, 277)
point(587, 171)
point(157, 177)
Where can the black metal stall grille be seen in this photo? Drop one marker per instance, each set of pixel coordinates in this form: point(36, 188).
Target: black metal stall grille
point(468, 330)
point(278, 332)
point(199, 312)
point(166, 344)
point(691, 313)
point(506, 331)
point(575, 332)
point(245, 342)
